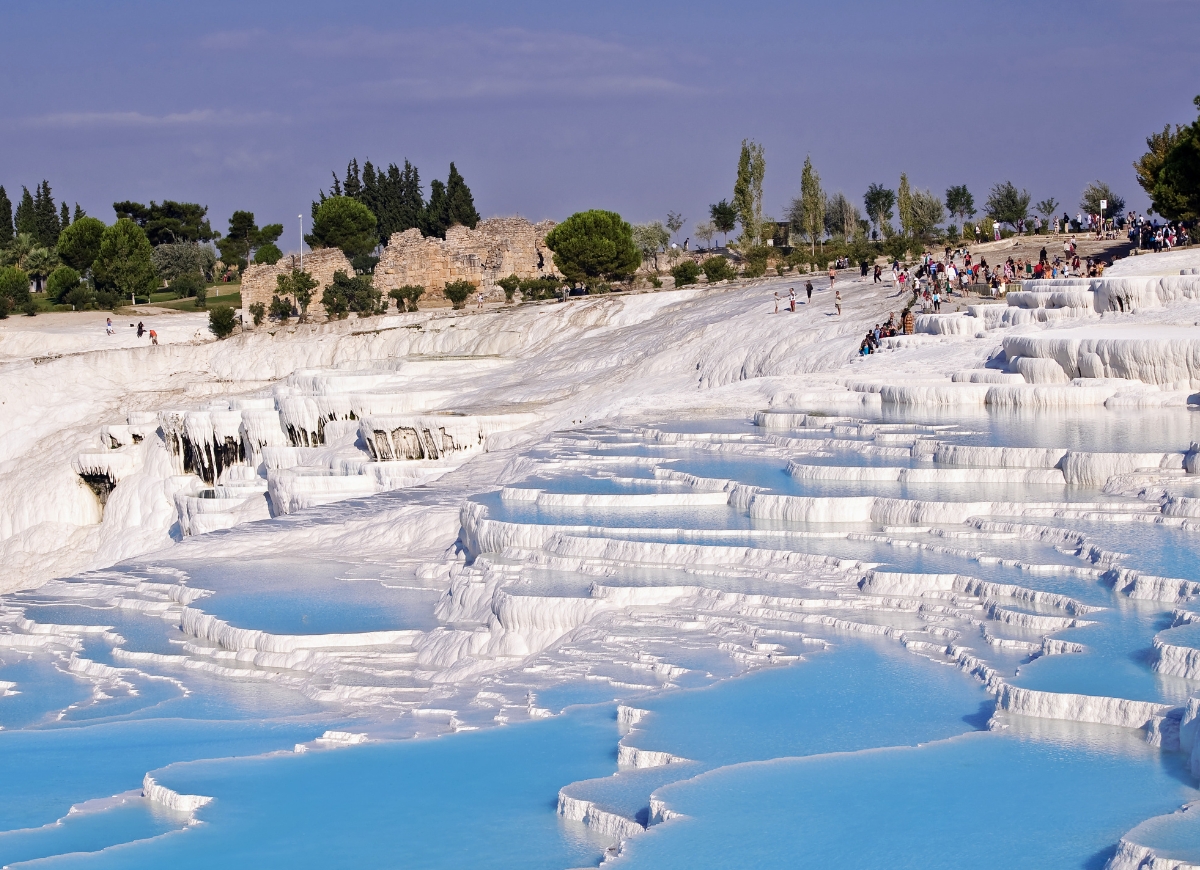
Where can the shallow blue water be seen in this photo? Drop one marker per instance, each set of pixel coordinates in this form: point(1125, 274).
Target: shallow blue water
point(1038, 795)
point(982, 800)
point(484, 800)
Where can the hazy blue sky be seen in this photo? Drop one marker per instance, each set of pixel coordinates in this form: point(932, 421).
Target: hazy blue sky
point(550, 107)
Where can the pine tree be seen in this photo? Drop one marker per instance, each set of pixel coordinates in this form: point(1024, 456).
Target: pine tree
point(64, 217)
point(460, 205)
point(24, 218)
point(6, 218)
point(374, 196)
point(79, 213)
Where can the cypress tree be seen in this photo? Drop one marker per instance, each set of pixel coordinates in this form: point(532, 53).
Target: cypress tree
point(45, 217)
point(410, 207)
point(374, 197)
point(64, 217)
point(353, 184)
point(25, 219)
point(437, 215)
point(6, 218)
point(460, 205)
point(79, 213)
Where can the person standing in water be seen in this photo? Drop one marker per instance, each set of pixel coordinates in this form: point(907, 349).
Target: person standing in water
point(776, 301)
point(108, 327)
point(832, 276)
point(792, 299)
point(141, 329)
point(837, 301)
point(808, 289)
point(153, 337)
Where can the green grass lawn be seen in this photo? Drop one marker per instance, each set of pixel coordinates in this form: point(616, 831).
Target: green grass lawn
point(233, 300)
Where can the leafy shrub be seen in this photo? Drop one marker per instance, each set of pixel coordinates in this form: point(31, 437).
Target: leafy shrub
point(686, 273)
point(173, 260)
point(80, 297)
point(510, 286)
point(540, 288)
point(29, 309)
point(364, 264)
point(281, 308)
point(187, 284)
point(406, 297)
point(268, 253)
point(221, 321)
point(62, 281)
point(756, 261)
point(716, 269)
point(655, 282)
point(458, 291)
point(258, 311)
point(14, 289)
point(348, 294)
point(201, 297)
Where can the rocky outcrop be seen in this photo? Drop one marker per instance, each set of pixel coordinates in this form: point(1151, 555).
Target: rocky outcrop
point(259, 281)
point(495, 249)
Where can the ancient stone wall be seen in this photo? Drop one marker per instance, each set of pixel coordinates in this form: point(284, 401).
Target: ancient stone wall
point(495, 249)
point(259, 282)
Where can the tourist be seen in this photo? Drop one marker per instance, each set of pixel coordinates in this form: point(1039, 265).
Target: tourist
point(153, 337)
point(792, 299)
point(776, 301)
point(837, 301)
point(878, 274)
point(832, 276)
point(141, 329)
point(808, 290)
point(108, 327)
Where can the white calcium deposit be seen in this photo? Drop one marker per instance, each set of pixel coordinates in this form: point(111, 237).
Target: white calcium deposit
point(431, 442)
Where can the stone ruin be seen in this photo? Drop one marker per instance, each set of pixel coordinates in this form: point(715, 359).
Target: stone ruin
point(495, 249)
point(259, 284)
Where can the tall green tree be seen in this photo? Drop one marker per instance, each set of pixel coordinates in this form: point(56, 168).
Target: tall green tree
point(927, 213)
point(841, 217)
point(460, 205)
point(122, 266)
point(64, 216)
point(807, 211)
point(25, 217)
point(1098, 192)
point(245, 238)
point(748, 190)
point(594, 245)
point(879, 202)
point(904, 205)
point(344, 222)
point(7, 231)
point(724, 218)
point(960, 202)
point(79, 213)
point(436, 219)
point(79, 244)
point(1007, 205)
point(1047, 208)
point(45, 216)
point(170, 222)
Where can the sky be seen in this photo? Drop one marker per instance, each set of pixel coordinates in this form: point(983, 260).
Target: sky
point(548, 108)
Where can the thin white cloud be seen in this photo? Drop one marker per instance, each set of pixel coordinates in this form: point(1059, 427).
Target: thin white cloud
point(131, 119)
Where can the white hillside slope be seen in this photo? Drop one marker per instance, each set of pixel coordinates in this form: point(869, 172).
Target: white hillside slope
point(203, 434)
